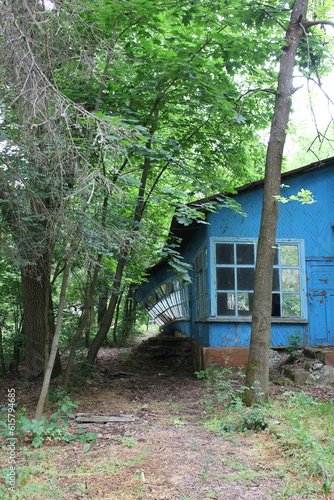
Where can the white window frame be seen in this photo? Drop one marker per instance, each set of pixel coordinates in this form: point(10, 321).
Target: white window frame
point(302, 279)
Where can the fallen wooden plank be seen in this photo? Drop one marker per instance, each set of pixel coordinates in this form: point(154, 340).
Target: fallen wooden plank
point(104, 418)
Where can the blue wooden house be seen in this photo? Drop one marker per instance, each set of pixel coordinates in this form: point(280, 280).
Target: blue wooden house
point(215, 308)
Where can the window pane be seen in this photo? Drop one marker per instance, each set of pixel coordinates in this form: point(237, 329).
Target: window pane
point(245, 254)
point(197, 285)
point(225, 304)
point(290, 280)
point(245, 276)
point(224, 253)
point(276, 257)
point(289, 255)
point(205, 280)
point(291, 305)
point(225, 278)
point(245, 302)
point(276, 287)
point(276, 305)
point(198, 263)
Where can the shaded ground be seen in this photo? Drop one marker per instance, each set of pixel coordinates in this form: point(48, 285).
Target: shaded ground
point(166, 453)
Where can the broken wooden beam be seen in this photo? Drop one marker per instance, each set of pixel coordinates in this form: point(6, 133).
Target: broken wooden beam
point(103, 419)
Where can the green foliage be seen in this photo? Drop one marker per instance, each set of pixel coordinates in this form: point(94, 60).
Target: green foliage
point(302, 424)
point(54, 428)
point(304, 196)
point(150, 107)
point(223, 387)
point(304, 427)
point(295, 341)
point(171, 254)
point(254, 421)
point(224, 400)
point(127, 440)
point(10, 315)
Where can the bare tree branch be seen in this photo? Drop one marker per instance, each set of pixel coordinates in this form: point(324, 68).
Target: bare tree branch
point(309, 24)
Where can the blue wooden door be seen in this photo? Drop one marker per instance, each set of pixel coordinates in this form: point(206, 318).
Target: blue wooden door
point(321, 303)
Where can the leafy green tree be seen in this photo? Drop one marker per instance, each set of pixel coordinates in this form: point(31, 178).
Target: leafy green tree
point(183, 94)
point(46, 178)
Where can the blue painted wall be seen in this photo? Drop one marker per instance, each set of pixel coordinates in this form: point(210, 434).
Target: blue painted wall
point(309, 222)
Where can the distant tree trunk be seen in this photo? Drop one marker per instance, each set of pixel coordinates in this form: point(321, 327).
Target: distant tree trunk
point(57, 368)
point(116, 287)
point(129, 315)
point(82, 324)
point(257, 374)
point(115, 329)
point(103, 330)
point(88, 326)
point(103, 303)
point(14, 364)
point(18, 340)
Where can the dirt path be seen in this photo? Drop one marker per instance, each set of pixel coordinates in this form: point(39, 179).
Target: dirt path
point(166, 453)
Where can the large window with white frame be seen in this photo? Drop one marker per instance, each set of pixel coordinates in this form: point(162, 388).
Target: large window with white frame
point(234, 267)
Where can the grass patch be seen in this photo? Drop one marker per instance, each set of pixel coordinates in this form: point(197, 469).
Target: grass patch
point(65, 471)
point(303, 427)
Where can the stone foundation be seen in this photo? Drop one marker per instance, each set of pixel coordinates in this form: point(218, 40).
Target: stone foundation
point(324, 354)
point(313, 366)
point(227, 357)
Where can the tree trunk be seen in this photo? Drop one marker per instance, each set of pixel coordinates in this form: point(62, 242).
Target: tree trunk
point(88, 326)
point(35, 299)
point(115, 329)
point(128, 316)
point(55, 342)
point(103, 303)
point(57, 368)
point(82, 325)
point(103, 331)
point(116, 288)
point(257, 374)
point(38, 320)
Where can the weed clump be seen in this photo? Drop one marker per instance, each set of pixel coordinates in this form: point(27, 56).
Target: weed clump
point(54, 428)
point(303, 425)
point(224, 401)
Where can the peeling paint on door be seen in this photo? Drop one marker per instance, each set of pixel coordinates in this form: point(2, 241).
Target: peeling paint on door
point(321, 326)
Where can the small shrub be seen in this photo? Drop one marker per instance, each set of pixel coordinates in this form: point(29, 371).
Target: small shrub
point(223, 387)
point(225, 400)
point(254, 421)
point(293, 348)
point(54, 428)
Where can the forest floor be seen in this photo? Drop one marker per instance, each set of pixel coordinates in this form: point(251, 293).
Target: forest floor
point(164, 452)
